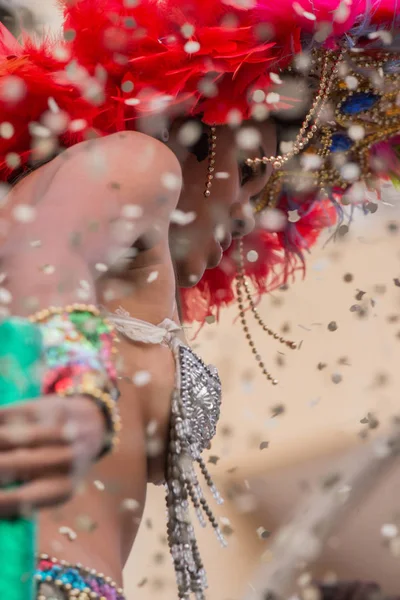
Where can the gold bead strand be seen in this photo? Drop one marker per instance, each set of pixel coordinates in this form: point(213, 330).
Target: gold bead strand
point(211, 161)
point(243, 320)
point(304, 136)
point(289, 343)
point(240, 280)
point(242, 284)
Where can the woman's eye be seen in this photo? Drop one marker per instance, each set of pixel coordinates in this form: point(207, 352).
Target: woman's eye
point(247, 174)
point(257, 197)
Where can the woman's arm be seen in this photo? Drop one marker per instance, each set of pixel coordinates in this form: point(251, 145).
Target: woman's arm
point(47, 260)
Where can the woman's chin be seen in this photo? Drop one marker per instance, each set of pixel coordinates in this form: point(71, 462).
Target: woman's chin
point(188, 278)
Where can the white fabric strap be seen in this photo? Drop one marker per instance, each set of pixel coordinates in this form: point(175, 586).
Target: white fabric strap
point(141, 331)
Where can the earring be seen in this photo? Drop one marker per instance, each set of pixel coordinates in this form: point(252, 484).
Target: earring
point(243, 293)
point(211, 161)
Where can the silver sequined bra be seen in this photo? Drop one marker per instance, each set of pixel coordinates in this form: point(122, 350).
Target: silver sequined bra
point(195, 410)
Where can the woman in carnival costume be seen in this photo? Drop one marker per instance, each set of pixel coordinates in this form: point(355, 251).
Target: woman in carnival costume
point(102, 222)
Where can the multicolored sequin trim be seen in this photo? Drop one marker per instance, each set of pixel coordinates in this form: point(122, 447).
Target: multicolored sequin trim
point(78, 343)
point(77, 582)
point(78, 347)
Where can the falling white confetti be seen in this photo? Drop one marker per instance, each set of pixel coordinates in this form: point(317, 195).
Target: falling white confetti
point(273, 98)
point(39, 131)
point(171, 181)
point(341, 14)
point(131, 211)
point(350, 171)
point(6, 130)
point(141, 378)
point(13, 89)
point(48, 269)
point(181, 218)
point(152, 428)
point(53, 106)
point(286, 147)
point(248, 138)
point(191, 47)
point(99, 485)
point(152, 277)
point(302, 12)
point(189, 133)
point(77, 125)
point(310, 161)
point(13, 160)
point(356, 132)
point(187, 30)
point(219, 233)
point(385, 36)
point(5, 296)
point(252, 256)
point(68, 532)
point(389, 530)
point(273, 219)
point(234, 117)
point(275, 78)
point(130, 504)
point(293, 216)
point(351, 82)
point(222, 175)
point(101, 267)
point(258, 96)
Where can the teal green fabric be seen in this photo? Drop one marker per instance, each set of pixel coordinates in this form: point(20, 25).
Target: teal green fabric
point(20, 358)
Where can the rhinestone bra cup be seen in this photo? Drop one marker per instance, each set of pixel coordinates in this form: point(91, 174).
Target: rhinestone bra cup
point(195, 410)
point(200, 398)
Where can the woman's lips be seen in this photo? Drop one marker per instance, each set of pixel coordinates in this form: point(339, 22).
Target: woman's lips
point(226, 242)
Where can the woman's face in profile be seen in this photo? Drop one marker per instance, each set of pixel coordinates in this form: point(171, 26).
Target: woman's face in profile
point(203, 227)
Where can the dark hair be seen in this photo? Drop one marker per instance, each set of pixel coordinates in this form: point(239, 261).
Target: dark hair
point(15, 17)
point(22, 172)
point(8, 19)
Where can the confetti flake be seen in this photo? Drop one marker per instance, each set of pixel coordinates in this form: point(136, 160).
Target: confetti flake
point(141, 378)
point(5, 296)
point(130, 504)
point(181, 218)
point(293, 216)
point(68, 532)
point(389, 530)
point(24, 213)
point(191, 47)
point(263, 533)
point(277, 410)
point(152, 277)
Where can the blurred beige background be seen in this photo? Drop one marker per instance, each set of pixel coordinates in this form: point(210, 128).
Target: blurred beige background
point(341, 385)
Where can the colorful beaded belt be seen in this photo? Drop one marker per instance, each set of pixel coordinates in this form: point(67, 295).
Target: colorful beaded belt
point(76, 581)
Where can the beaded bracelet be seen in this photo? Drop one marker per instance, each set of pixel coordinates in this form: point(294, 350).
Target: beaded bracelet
point(78, 349)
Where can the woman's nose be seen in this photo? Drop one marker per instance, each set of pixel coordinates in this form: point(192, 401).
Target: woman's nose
point(243, 221)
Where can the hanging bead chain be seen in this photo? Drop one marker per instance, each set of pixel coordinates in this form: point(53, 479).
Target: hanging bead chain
point(304, 136)
point(244, 293)
point(211, 161)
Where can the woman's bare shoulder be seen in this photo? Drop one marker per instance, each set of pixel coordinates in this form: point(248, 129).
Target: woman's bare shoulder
point(93, 181)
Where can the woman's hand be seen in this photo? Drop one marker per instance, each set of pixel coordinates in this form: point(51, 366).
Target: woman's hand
point(46, 446)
